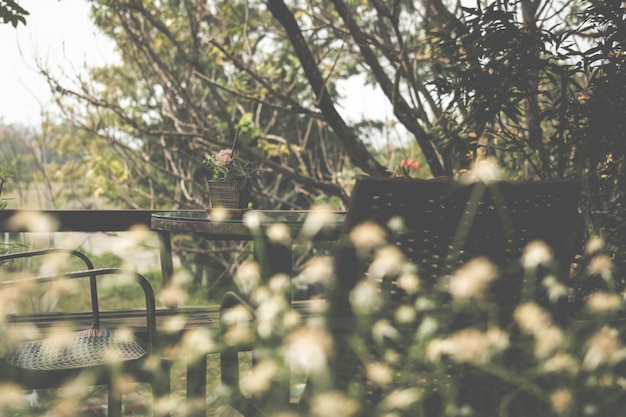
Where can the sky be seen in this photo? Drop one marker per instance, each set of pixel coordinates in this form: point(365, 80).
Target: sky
point(60, 34)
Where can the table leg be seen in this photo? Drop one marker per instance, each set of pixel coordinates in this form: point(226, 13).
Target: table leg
point(196, 386)
point(167, 264)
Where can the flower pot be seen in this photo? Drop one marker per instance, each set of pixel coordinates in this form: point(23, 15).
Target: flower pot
point(226, 194)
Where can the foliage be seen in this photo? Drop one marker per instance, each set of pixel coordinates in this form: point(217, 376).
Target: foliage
point(11, 12)
point(502, 78)
point(439, 348)
point(226, 167)
point(6, 174)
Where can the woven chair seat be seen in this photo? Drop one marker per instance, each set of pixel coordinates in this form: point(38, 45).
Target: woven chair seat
point(86, 348)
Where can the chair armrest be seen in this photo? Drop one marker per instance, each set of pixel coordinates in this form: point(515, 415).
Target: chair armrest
point(72, 252)
point(93, 274)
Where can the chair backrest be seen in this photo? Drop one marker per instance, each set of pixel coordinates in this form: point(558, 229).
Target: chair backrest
point(448, 222)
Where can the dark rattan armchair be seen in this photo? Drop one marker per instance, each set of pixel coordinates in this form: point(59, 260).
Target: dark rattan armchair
point(444, 224)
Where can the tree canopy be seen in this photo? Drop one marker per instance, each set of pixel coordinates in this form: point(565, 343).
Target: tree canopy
point(535, 84)
point(13, 13)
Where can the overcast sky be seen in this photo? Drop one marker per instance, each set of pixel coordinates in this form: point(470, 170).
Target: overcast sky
point(59, 33)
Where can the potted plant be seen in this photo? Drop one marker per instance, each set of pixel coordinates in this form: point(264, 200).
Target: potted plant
point(231, 179)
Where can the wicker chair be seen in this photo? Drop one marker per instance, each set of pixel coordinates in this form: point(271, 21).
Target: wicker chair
point(101, 352)
point(446, 223)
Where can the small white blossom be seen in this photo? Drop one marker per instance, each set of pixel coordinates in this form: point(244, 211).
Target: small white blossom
point(595, 244)
point(388, 260)
point(604, 347)
point(409, 282)
point(248, 276)
point(484, 170)
point(562, 400)
point(367, 235)
point(536, 253)
point(308, 349)
point(379, 373)
point(471, 279)
point(365, 298)
point(279, 233)
point(253, 219)
point(333, 404)
point(603, 302)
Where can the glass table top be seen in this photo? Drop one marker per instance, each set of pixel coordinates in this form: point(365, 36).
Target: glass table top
point(228, 223)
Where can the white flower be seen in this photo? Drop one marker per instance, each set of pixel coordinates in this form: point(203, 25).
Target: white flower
point(308, 349)
point(532, 318)
point(562, 400)
point(388, 260)
point(367, 235)
point(365, 297)
point(604, 347)
point(469, 345)
point(603, 302)
point(484, 170)
point(536, 253)
point(379, 373)
point(409, 282)
point(594, 244)
point(472, 278)
point(248, 276)
point(333, 404)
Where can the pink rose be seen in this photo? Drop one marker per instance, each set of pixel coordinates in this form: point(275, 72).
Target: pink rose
point(223, 157)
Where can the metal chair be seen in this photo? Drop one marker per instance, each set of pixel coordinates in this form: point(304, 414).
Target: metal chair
point(100, 352)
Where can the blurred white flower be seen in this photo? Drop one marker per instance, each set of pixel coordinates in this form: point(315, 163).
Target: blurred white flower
point(604, 347)
point(561, 362)
point(594, 244)
point(396, 224)
point(409, 282)
point(307, 349)
point(33, 222)
point(382, 329)
point(279, 233)
point(318, 269)
point(548, 341)
point(259, 380)
point(365, 297)
point(536, 253)
point(316, 220)
point(367, 235)
point(601, 265)
point(562, 400)
point(469, 345)
point(253, 219)
point(484, 170)
point(603, 302)
point(471, 279)
point(248, 276)
point(400, 399)
point(388, 260)
point(427, 327)
point(556, 289)
point(405, 314)
point(333, 404)
point(532, 318)
point(379, 373)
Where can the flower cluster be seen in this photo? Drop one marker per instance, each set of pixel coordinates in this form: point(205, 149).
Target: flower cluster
point(225, 167)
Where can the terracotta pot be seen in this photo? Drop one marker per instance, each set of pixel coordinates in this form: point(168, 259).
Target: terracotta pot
point(226, 194)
